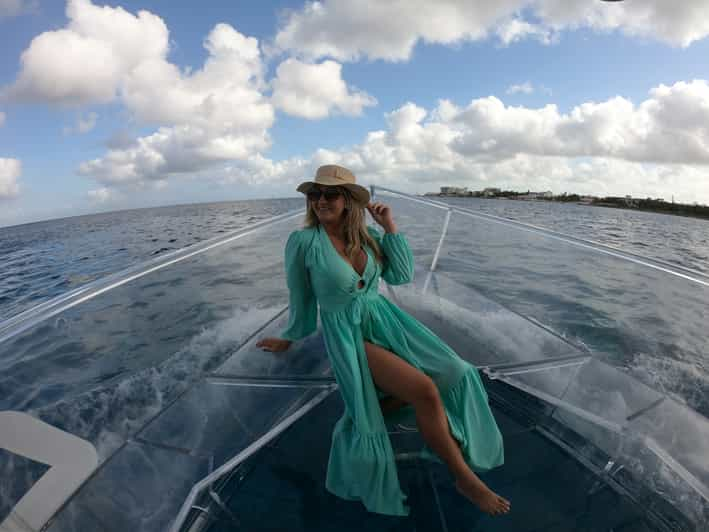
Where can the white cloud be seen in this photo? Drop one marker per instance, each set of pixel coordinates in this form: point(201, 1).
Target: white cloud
point(14, 8)
point(226, 90)
point(516, 29)
point(668, 127)
point(216, 113)
point(2, 118)
point(10, 170)
point(677, 23)
point(84, 124)
point(315, 91)
point(258, 170)
point(86, 61)
point(172, 150)
point(101, 195)
point(657, 148)
point(526, 88)
point(348, 30)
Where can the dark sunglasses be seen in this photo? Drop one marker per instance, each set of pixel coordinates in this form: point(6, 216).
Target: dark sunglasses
point(331, 194)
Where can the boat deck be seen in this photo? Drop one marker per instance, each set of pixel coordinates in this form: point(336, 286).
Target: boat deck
point(282, 487)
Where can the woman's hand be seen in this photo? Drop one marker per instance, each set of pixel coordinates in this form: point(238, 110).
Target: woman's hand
point(382, 215)
point(275, 345)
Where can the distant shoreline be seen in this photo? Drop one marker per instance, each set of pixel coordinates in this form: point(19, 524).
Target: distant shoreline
point(701, 216)
point(646, 205)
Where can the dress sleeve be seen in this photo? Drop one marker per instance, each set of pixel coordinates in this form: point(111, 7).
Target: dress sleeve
point(303, 307)
point(399, 266)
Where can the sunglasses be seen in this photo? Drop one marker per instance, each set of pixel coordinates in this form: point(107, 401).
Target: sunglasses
point(331, 194)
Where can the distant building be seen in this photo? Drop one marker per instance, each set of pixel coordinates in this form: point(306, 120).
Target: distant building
point(454, 191)
point(490, 191)
point(631, 202)
point(535, 195)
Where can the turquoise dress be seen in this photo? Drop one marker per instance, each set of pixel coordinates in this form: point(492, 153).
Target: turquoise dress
point(361, 464)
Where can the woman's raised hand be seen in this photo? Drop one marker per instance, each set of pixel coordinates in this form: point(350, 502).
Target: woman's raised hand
point(275, 345)
point(382, 215)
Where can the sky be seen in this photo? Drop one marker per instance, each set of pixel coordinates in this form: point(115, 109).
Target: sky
point(140, 103)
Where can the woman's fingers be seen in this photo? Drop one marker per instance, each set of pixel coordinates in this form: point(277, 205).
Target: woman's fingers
point(275, 345)
point(266, 343)
point(377, 207)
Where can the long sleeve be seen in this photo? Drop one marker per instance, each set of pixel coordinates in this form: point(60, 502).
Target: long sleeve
point(399, 266)
point(302, 303)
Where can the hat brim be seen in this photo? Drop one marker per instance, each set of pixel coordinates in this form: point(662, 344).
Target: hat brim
point(359, 193)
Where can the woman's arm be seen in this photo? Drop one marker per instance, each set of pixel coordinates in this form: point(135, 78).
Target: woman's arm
point(303, 309)
point(302, 303)
point(399, 266)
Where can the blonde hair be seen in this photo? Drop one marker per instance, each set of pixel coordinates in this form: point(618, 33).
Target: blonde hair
point(356, 233)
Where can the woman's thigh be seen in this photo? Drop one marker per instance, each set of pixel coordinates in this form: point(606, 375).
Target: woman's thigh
point(397, 377)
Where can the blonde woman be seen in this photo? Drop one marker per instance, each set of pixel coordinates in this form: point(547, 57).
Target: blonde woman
point(376, 349)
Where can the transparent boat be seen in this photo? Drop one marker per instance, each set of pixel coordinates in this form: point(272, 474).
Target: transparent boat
point(212, 433)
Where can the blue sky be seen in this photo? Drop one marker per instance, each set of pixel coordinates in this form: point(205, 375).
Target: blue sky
point(113, 109)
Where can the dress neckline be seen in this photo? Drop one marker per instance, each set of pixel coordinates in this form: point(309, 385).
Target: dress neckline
point(349, 265)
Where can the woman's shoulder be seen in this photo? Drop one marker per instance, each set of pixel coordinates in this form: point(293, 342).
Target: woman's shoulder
point(301, 236)
point(302, 233)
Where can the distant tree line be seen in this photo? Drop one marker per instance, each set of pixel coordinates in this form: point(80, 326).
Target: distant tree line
point(655, 205)
point(648, 204)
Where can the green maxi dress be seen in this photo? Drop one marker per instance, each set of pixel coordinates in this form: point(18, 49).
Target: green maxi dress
point(361, 465)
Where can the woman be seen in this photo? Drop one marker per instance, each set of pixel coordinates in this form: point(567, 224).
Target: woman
point(375, 348)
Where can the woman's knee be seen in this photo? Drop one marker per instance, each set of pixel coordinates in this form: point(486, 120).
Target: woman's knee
point(426, 391)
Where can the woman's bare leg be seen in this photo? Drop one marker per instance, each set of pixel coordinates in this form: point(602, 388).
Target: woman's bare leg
point(398, 378)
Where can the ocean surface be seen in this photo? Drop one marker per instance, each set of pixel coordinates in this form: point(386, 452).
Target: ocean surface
point(103, 368)
point(44, 259)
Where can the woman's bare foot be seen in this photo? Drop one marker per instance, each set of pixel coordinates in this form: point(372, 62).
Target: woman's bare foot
point(483, 497)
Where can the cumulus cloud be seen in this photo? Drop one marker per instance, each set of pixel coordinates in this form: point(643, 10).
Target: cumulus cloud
point(84, 124)
point(315, 91)
point(526, 88)
point(86, 61)
point(517, 29)
point(14, 8)
point(349, 30)
point(259, 170)
point(677, 23)
point(658, 148)
point(10, 170)
point(101, 195)
point(668, 127)
point(212, 114)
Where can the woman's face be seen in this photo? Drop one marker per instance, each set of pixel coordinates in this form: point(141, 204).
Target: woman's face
point(330, 206)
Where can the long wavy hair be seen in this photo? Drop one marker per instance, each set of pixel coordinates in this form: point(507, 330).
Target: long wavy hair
point(356, 234)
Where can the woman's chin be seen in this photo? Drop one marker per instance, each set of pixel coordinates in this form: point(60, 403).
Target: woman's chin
point(325, 216)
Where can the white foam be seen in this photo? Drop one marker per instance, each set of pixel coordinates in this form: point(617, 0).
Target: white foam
point(108, 415)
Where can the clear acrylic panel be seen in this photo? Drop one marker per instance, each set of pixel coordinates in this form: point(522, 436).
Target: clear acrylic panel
point(220, 419)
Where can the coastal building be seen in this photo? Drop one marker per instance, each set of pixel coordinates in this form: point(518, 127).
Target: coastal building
point(490, 192)
point(455, 191)
point(536, 195)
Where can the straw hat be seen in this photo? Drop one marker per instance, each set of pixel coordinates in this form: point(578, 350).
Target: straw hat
point(333, 175)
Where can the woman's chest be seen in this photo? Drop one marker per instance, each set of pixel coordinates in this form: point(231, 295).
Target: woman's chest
point(333, 275)
point(359, 264)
